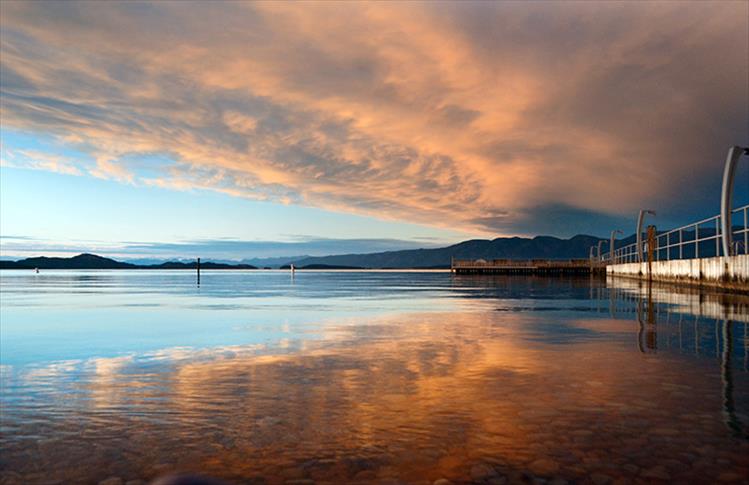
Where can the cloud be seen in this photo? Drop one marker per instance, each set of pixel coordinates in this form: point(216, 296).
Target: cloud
point(555, 219)
point(39, 160)
point(461, 115)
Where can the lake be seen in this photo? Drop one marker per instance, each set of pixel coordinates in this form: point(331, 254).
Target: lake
point(369, 377)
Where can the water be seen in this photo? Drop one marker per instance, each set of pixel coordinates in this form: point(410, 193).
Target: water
point(371, 377)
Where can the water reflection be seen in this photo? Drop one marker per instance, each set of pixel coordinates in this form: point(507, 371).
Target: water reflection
point(502, 379)
point(647, 337)
point(729, 408)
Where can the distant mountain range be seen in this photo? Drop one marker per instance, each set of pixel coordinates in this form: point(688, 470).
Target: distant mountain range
point(92, 261)
point(273, 262)
point(547, 247)
point(539, 247)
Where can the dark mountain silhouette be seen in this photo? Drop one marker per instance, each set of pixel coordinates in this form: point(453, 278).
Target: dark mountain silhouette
point(92, 261)
point(546, 247)
point(320, 266)
point(12, 265)
point(328, 266)
point(275, 261)
point(82, 261)
point(203, 265)
point(539, 247)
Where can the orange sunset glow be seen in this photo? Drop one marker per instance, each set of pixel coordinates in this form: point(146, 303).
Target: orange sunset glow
point(473, 116)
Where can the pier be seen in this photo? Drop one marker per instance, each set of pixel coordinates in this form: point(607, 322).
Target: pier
point(712, 252)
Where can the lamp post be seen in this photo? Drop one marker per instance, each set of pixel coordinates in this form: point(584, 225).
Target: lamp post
point(640, 220)
point(600, 243)
point(729, 173)
point(613, 238)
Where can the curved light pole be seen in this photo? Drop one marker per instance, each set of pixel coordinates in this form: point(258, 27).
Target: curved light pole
point(613, 238)
point(600, 243)
point(640, 220)
point(729, 173)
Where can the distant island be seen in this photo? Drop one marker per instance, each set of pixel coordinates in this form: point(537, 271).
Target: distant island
point(92, 261)
point(546, 247)
point(320, 266)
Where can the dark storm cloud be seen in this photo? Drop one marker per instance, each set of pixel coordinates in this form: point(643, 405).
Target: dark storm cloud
point(463, 115)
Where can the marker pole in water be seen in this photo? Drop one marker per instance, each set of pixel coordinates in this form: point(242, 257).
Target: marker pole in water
point(198, 268)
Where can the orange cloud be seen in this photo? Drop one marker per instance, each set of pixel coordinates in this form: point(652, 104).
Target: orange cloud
point(472, 116)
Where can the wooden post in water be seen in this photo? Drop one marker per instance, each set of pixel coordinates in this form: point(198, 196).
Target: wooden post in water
point(198, 268)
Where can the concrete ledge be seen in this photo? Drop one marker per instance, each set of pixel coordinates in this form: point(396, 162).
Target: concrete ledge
point(730, 273)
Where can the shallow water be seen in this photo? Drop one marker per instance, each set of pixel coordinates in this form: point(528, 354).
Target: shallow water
point(372, 377)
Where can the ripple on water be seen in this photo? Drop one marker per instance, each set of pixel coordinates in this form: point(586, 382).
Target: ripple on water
point(560, 392)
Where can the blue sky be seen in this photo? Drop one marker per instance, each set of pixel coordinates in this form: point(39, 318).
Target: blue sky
point(164, 128)
point(46, 210)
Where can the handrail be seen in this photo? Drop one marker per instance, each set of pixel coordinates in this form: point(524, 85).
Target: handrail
point(693, 247)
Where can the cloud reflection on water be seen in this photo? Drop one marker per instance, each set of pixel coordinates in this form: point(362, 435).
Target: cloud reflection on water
point(414, 396)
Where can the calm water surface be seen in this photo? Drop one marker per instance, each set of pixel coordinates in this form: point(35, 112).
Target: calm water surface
point(370, 377)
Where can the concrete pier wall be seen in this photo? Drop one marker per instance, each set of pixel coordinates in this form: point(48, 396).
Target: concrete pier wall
point(723, 272)
point(687, 299)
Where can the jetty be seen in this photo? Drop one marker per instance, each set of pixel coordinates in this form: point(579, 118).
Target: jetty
point(518, 266)
point(712, 252)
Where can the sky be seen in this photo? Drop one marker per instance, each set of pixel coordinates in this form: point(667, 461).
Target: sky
point(241, 129)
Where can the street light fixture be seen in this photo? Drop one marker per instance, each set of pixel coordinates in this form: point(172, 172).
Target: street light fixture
point(640, 220)
point(613, 238)
point(600, 243)
point(729, 173)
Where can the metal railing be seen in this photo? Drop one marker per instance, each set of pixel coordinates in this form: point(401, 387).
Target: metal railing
point(700, 239)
